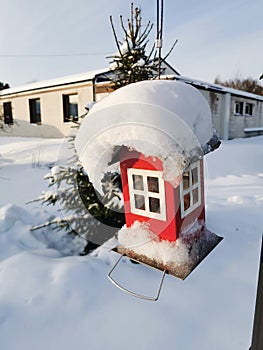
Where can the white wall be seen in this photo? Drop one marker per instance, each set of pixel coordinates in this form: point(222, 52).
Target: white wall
point(52, 124)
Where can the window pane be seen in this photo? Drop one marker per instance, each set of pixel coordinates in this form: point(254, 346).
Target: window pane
point(37, 106)
point(154, 205)
point(186, 201)
point(35, 110)
point(73, 105)
point(186, 180)
point(70, 107)
point(239, 107)
point(73, 110)
point(194, 176)
point(139, 202)
point(249, 109)
point(137, 182)
point(153, 184)
point(195, 196)
point(8, 115)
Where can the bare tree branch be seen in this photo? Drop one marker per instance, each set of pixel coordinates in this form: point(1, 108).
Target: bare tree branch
point(146, 33)
point(115, 36)
point(169, 52)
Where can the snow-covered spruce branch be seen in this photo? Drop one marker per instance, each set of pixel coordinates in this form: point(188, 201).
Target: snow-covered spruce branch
point(58, 222)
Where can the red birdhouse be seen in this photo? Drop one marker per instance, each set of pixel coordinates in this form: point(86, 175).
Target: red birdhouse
point(149, 198)
point(171, 213)
point(158, 133)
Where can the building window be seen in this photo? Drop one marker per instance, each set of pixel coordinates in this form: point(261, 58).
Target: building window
point(249, 109)
point(243, 108)
point(35, 111)
point(8, 115)
point(239, 108)
point(147, 193)
point(190, 189)
point(70, 107)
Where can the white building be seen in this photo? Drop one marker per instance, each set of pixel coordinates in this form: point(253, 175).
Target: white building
point(235, 113)
point(47, 108)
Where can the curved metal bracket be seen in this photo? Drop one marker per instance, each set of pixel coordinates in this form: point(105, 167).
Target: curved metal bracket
point(145, 297)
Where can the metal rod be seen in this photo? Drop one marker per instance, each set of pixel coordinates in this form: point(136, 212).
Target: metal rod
point(257, 336)
point(157, 22)
point(159, 35)
point(161, 27)
point(140, 296)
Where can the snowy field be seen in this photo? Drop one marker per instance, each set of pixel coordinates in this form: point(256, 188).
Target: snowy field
point(52, 300)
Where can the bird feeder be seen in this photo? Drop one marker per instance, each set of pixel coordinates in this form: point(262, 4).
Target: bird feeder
point(157, 133)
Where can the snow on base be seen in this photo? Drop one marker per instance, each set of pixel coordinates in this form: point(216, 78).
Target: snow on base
point(178, 258)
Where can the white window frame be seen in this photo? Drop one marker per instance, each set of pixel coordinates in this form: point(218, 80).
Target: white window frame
point(251, 105)
point(190, 190)
point(243, 106)
point(147, 194)
point(240, 105)
point(70, 100)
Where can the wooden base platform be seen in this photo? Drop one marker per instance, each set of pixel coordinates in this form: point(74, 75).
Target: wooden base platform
point(198, 250)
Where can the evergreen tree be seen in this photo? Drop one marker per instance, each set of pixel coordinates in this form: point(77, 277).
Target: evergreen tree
point(81, 210)
point(4, 86)
point(85, 212)
point(132, 63)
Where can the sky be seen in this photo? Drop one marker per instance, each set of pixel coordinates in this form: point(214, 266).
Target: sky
point(46, 39)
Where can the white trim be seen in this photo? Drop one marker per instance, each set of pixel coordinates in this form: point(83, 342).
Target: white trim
point(253, 129)
point(252, 109)
point(147, 194)
point(242, 112)
point(190, 190)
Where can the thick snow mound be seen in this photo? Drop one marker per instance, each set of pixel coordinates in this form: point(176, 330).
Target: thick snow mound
point(10, 214)
point(166, 119)
point(15, 227)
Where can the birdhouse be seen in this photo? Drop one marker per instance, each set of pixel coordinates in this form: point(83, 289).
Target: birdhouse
point(148, 197)
point(156, 134)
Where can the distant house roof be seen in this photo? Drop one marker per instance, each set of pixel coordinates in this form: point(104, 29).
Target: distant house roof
point(70, 79)
point(217, 88)
point(101, 76)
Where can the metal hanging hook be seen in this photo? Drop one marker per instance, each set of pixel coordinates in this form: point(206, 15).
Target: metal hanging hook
point(140, 296)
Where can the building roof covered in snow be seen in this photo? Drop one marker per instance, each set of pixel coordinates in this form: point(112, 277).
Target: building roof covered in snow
point(216, 87)
point(166, 119)
point(69, 79)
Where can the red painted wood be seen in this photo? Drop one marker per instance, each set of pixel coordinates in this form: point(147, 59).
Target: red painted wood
point(198, 213)
point(174, 224)
point(166, 230)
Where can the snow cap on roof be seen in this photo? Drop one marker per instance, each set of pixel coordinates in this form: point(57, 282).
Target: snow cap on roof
point(165, 119)
point(43, 84)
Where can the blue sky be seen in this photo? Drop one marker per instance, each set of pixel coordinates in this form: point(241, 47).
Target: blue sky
point(52, 38)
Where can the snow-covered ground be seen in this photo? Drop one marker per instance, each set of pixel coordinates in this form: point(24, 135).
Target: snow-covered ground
point(52, 300)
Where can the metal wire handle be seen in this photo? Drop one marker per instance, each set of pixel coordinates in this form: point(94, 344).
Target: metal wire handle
point(145, 297)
